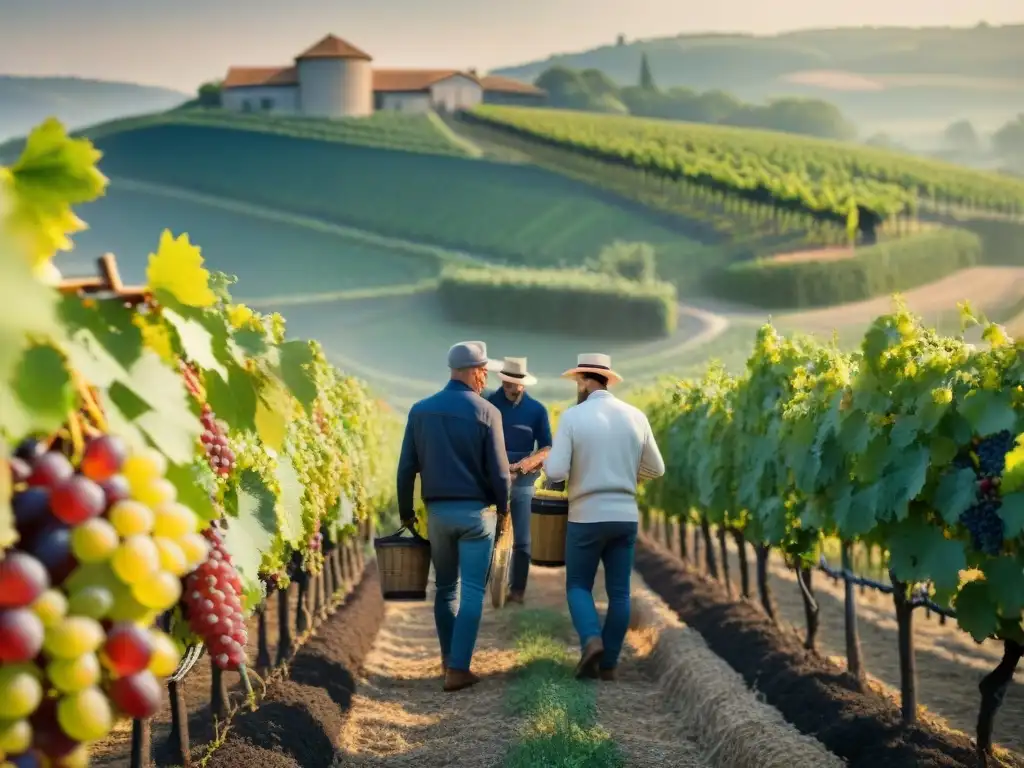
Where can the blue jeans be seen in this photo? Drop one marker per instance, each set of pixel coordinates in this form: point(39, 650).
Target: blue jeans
point(587, 545)
point(461, 537)
point(519, 510)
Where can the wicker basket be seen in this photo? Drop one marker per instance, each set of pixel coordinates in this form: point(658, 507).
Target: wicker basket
point(500, 560)
point(404, 565)
point(549, 520)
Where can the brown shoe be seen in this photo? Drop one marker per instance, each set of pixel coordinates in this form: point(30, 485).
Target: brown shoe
point(457, 679)
point(515, 596)
point(609, 675)
point(590, 658)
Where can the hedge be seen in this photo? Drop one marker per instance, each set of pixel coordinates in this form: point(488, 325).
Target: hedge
point(888, 267)
point(559, 300)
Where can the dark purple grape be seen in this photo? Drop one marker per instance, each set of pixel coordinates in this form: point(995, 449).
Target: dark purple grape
point(985, 526)
point(52, 547)
point(30, 449)
point(31, 509)
point(992, 452)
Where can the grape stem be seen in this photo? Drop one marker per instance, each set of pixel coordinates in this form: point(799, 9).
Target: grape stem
point(250, 695)
point(77, 438)
point(89, 403)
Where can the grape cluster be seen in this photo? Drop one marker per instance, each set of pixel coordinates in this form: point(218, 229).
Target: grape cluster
point(214, 438)
point(982, 519)
point(101, 551)
point(218, 452)
point(213, 599)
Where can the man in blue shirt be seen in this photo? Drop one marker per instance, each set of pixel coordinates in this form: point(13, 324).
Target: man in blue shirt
point(454, 442)
point(527, 439)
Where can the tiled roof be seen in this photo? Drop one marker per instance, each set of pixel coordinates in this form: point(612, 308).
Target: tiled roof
point(409, 80)
point(241, 77)
point(332, 47)
point(508, 85)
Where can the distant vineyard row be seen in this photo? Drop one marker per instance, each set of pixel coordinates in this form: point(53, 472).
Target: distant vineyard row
point(840, 184)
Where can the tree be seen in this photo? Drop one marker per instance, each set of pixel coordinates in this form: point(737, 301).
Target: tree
point(633, 261)
point(646, 78)
point(1008, 141)
point(208, 94)
point(620, 40)
point(961, 136)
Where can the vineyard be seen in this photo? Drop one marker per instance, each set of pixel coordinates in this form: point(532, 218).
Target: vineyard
point(187, 496)
point(776, 182)
point(178, 463)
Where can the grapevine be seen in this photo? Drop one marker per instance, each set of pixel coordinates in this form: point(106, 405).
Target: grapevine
point(114, 465)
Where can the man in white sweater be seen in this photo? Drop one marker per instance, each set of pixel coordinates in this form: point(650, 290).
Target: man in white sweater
point(604, 447)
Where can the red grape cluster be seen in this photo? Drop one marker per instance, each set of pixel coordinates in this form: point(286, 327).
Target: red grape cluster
point(218, 452)
point(100, 551)
point(215, 442)
point(213, 597)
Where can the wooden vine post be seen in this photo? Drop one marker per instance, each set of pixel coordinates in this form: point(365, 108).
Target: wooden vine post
point(853, 655)
point(709, 548)
point(764, 589)
point(812, 611)
point(905, 641)
point(741, 550)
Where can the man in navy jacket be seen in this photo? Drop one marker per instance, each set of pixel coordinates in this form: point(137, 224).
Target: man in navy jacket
point(527, 440)
point(454, 442)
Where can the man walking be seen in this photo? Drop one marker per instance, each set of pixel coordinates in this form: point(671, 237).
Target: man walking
point(604, 447)
point(454, 442)
point(527, 431)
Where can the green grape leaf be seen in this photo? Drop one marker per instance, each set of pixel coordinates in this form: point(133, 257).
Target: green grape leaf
point(252, 531)
point(904, 485)
point(955, 493)
point(27, 307)
point(43, 385)
point(170, 424)
point(297, 372)
point(90, 357)
point(976, 610)
point(989, 411)
point(1005, 577)
point(289, 505)
point(196, 341)
point(919, 552)
point(272, 411)
point(253, 343)
point(1012, 513)
point(109, 326)
point(195, 488)
point(904, 432)
point(117, 402)
point(856, 433)
point(872, 461)
point(233, 400)
point(56, 170)
point(856, 516)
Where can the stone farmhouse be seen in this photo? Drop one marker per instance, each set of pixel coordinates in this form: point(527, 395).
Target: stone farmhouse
point(335, 79)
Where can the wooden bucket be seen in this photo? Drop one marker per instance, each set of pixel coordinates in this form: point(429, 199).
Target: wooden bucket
point(404, 565)
point(549, 521)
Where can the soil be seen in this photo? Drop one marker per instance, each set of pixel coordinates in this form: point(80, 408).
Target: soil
point(949, 663)
point(811, 692)
point(302, 717)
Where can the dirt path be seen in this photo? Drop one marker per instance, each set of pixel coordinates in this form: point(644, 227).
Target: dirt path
point(949, 663)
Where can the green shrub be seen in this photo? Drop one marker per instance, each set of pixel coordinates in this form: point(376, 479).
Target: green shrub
point(895, 265)
point(558, 300)
point(1002, 242)
point(633, 261)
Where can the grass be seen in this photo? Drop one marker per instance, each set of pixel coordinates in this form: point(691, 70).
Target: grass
point(387, 130)
point(516, 213)
point(559, 712)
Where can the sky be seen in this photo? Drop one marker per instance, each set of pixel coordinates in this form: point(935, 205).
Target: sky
point(181, 43)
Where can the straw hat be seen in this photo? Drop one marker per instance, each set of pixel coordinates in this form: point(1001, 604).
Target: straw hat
point(594, 362)
point(513, 370)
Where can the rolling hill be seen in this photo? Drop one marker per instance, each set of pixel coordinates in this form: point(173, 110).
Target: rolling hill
point(876, 74)
point(27, 101)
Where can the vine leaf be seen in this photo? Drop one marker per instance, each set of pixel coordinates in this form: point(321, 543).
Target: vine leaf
point(234, 398)
point(989, 411)
point(169, 423)
point(27, 307)
point(177, 268)
point(252, 531)
point(919, 552)
point(196, 341)
point(252, 343)
point(904, 485)
point(289, 505)
point(1012, 513)
point(976, 610)
point(195, 488)
point(1005, 577)
point(272, 410)
point(89, 356)
point(43, 385)
point(955, 493)
point(296, 371)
